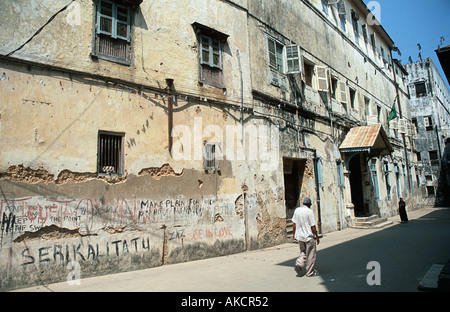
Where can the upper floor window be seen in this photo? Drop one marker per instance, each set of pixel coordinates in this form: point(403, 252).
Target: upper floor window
point(283, 59)
point(342, 12)
point(373, 42)
point(211, 44)
point(113, 32)
point(293, 59)
point(276, 51)
point(421, 89)
point(364, 32)
point(355, 18)
point(428, 120)
point(211, 51)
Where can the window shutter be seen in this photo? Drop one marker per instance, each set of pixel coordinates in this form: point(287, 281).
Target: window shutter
point(293, 59)
point(205, 53)
point(408, 128)
point(402, 126)
point(211, 52)
point(322, 76)
point(123, 22)
point(105, 18)
point(372, 41)
point(272, 53)
point(274, 77)
point(114, 20)
point(216, 53)
point(341, 9)
point(394, 124)
point(343, 89)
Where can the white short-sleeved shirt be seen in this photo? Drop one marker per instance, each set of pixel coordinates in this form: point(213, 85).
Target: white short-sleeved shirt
point(304, 219)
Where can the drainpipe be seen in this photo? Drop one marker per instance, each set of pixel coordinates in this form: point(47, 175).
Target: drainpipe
point(319, 223)
point(242, 98)
point(169, 83)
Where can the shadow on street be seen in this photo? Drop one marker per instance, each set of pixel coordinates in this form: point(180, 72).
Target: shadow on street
point(404, 251)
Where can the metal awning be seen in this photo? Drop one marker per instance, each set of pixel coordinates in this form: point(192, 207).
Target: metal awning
point(370, 139)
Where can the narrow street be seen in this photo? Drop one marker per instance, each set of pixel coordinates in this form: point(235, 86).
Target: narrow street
point(404, 253)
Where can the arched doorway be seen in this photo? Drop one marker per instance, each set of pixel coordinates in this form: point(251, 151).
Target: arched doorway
point(356, 185)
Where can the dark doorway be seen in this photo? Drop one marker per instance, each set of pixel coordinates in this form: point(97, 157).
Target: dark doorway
point(293, 176)
point(356, 185)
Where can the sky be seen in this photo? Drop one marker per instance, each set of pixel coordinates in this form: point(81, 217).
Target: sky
point(412, 22)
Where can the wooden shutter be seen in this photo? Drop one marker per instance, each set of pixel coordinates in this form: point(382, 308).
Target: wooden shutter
point(322, 77)
point(272, 53)
point(293, 59)
point(105, 18)
point(343, 91)
point(123, 22)
point(216, 53)
point(394, 124)
point(402, 126)
point(205, 52)
point(114, 20)
point(274, 77)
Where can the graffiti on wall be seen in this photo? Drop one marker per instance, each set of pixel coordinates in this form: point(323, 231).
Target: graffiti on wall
point(57, 253)
point(30, 214)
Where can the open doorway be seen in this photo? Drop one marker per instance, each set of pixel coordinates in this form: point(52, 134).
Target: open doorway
point(356, 185)
point(293, 177)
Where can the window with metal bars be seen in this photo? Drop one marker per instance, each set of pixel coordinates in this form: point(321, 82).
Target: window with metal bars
point(209, 156)
point(110, 153)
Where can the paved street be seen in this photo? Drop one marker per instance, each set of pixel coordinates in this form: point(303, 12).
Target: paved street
point(404, 252)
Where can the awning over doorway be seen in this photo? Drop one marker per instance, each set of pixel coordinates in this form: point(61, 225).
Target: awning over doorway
point(371, 139)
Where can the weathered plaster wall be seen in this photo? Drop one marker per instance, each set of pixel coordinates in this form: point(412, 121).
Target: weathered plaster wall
point(55, 209)
point(435, 104)
point(158, 51)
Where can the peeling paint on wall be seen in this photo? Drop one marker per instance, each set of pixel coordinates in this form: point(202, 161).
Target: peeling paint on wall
point(163, 171)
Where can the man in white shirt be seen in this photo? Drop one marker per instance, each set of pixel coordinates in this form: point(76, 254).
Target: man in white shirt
point(306, 234)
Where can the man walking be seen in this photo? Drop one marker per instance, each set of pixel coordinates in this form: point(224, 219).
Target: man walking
point(306, 234)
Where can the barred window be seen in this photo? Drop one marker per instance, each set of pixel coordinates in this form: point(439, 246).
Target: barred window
point(210, 155)
point(110, 153)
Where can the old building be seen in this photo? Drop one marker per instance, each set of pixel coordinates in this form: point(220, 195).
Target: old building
point(430, 110)
point(142, 133)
